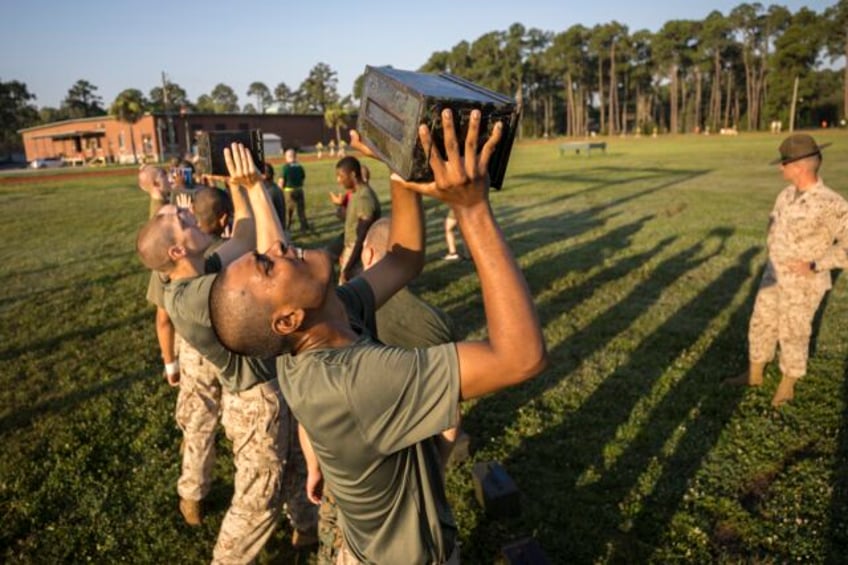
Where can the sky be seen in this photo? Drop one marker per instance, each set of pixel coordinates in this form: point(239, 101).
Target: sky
point(116, 44)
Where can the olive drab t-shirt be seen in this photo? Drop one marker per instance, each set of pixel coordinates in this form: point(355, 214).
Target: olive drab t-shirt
point(363, 204)
point(407, 321)
point(371, 412)
point(187, 303)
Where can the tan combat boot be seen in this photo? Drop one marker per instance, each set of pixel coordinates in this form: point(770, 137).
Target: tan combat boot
point(785, 392)
point(752, 377)
point(191, 511)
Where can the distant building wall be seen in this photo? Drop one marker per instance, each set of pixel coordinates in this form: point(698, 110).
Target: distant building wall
point(105, 138)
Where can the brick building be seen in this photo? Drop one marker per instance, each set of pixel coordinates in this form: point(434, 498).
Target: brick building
point(155, 137)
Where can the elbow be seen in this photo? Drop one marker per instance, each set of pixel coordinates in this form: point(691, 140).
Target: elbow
point(534, 364)
point(530, 363)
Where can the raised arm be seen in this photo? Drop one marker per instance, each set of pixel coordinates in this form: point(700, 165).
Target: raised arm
point(244, 228)
point(242, 170)
point(405, 257)
point(515, 349)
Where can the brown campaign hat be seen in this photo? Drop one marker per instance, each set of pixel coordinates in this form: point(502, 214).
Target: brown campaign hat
point(797, 146)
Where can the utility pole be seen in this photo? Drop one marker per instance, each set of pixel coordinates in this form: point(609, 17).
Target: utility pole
point(169, 117)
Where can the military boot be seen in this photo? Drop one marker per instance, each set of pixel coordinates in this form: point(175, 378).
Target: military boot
point(785, 392)
point(752, 377)
point(191, 511)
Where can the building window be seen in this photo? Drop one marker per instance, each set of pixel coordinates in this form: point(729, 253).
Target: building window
point(121, 140)
point(147, 143)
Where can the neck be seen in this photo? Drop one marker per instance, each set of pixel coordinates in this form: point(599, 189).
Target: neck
point(328, 329)
point(187, 268)
point(807, 182)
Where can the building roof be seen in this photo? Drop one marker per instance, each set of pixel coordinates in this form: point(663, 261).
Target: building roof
point(72, 134)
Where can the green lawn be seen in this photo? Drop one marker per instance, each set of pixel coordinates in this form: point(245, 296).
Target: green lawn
point(644, 264)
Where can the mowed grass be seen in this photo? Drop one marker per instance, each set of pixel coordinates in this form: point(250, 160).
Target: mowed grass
point(644, 263)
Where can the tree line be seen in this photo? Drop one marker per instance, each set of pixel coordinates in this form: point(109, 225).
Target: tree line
point(737, 70)
point(733, 70)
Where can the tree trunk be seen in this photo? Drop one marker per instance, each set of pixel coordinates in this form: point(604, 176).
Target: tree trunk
point(673, 100)
point(749, 87)
point(132, 144)
point(715, 97)
point(570, 106)
point(727, 106)
point(698, 86)
point(845, 80)
point(519, 100)
point(601, 101)
point(613, 90)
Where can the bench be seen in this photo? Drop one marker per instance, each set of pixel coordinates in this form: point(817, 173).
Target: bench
point(73, 161)
point(578, 146)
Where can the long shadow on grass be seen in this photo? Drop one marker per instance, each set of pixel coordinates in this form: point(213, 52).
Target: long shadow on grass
point(568, 355)
point(74, 286)
point(22, 417)
point(58, 340)
point(595, 509)
point(593, 177)
point(53, 266)
point(551, 228)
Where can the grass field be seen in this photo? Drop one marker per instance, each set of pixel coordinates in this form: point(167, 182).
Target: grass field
point(644, 263)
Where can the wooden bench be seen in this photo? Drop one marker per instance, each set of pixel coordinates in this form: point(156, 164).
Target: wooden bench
point(578, 146)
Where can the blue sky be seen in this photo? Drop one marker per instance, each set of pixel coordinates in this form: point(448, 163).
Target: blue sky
point(118, 44)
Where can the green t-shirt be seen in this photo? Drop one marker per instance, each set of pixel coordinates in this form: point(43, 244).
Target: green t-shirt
point(407, 321)
point(293, 175)
point(363, 204)
point(371, 412)
point(187, 303)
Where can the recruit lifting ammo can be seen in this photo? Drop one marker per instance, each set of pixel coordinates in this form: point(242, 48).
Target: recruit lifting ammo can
point(394, 103)
point(211, 144)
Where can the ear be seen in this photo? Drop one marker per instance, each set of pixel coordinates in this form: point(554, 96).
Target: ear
point(176, 252)
point(367, 256)
point(287, 323)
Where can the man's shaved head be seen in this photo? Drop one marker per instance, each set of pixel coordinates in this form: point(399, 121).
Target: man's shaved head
point(153, 242)
point(154, 181)
point(377, 237)
point(242, 323)
point(210, 205)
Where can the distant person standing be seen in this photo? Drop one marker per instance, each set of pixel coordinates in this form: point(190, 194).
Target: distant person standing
point(362, 210)
point(807, 238)
point(291, 182)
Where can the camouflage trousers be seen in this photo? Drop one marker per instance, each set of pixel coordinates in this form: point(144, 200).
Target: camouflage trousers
point(783, 314)
point(260, 426)
point(197, 412)
point(330, 538)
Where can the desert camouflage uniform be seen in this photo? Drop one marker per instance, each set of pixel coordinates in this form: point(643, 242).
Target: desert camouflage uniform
point(329, 535)
point(197, 412)
point(809, 225)
point(259, 424)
